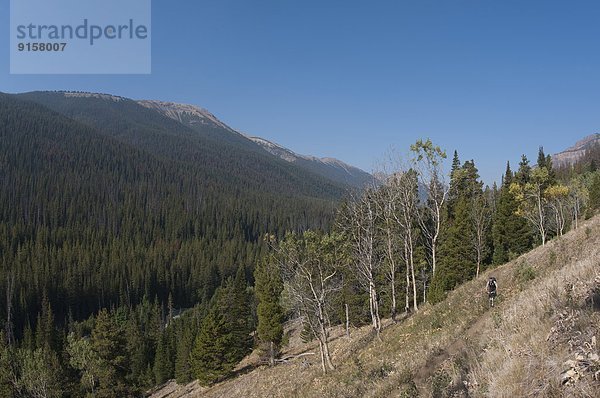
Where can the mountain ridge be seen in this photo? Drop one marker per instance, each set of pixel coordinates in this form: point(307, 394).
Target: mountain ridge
point(572, 154)
point(193, 116)
point(184, 113)
point(198, 145)
point(332, 167)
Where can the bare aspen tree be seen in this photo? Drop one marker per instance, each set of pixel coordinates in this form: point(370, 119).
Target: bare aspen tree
point(387, 200)
point(579, 196)
point(406, 185)
point(309, 265)
point(558, 200)
point(358, 221)
point(481, 217)
point(427, 162)
point(398, 207)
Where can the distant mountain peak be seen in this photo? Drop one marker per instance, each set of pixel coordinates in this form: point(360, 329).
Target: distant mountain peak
point(575, 152)
point(184, 113)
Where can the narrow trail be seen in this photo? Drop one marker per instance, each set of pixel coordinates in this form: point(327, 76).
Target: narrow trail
point(473, 332)
point(541, 262)
point(455, 349)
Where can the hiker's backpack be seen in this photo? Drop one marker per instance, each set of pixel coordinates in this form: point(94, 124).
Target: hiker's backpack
point(492, 285)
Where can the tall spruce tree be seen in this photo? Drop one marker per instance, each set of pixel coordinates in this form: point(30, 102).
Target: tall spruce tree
point(45, 333)
point(235, 304)
point(224, 337)
point(457, 263)
point(183, 370)
point(139, 353)
point(594, 195)
point(210, 356)
point(453, 191)
point(268, 288)
point(163, 367)
point(523, 175)
point(541, 160)
point(109, 344)
point(511, 234)
point(545, 161)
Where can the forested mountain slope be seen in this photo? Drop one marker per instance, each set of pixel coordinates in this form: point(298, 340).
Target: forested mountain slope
point(222, 156)
point(539, 340)
point(109, 202)
point(201, 120)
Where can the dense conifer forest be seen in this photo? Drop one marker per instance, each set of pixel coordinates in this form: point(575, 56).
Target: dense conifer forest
point(134, 250)
point(134, 225)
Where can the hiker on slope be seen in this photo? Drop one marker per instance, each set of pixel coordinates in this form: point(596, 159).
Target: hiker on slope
point(491, 288)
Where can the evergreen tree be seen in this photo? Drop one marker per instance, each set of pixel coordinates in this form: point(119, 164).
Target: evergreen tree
point(109, 344)
point(234, 303)
point(454, 190)
point(163, 369)
point(28, 341)
point(138, 352)
point(511, 234)
point(594, 192)
point(224, 337)
point(45, 334)
point(268, 287)
point(545, 161)
point(455, 163)
point(210, 357)
point(457, 262)
point(183, 370)
point(541, 160)
point(524, 173)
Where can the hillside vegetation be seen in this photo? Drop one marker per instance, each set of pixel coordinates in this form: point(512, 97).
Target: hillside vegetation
point(106, 205)
point(135, 249)
point(539, 340)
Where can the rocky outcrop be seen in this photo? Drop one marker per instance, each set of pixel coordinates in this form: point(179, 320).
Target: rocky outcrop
point(573, 154)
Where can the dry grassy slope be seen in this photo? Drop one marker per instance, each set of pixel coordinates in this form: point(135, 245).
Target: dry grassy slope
point(460, 347)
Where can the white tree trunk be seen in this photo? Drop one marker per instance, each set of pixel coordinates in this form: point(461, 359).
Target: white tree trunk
point(347, 321)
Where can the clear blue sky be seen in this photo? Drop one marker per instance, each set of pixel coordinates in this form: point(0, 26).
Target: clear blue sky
point(348, 79)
